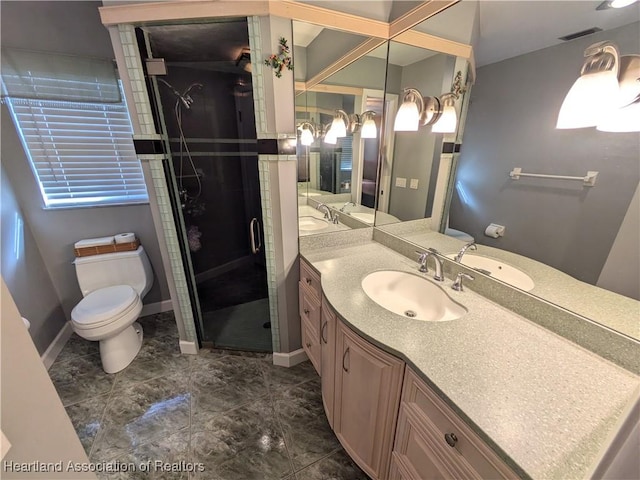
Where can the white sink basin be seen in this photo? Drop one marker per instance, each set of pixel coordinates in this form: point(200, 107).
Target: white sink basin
point(310, 224)
point(498, 270)
point(363, 216)
point(411, 296)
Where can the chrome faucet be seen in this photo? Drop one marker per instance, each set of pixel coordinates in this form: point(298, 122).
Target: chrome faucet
point(457, 284)
point(422, 260)
point(463, 250)
point(328, 215)
point(346, 205)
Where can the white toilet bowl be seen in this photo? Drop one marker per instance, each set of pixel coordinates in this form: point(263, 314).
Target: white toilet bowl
point(108, 315)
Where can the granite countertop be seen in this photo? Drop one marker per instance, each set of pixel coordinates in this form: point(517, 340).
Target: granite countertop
point(546, 405)
point(613, 310)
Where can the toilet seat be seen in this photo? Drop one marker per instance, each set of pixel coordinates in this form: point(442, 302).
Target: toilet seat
point(104, 306)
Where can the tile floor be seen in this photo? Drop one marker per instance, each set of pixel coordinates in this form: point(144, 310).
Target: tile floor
point(234, 413)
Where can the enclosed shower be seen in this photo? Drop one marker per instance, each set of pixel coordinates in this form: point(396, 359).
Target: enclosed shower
point(204, 107)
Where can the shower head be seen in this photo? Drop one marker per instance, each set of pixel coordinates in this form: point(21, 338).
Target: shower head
point(184, 98)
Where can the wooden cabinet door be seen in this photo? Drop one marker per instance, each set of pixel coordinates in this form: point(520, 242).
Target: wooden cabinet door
point(432, 442)
point(328, 354)
point(368, 382)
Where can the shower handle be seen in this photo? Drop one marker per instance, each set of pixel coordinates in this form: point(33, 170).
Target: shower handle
point(255, 248)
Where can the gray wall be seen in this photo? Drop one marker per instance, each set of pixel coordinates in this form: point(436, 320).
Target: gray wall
point(71, 28)
point(414, 152)
point(33, 417)
point(511, 123)
point(25, 272)
point(619, 274)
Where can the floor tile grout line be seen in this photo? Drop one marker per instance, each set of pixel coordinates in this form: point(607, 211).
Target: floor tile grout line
point(103, 416)
point(333, 452)
point(272, 402)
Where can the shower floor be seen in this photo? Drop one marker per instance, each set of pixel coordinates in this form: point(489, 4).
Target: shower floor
point(235, 308)
point(240, 326)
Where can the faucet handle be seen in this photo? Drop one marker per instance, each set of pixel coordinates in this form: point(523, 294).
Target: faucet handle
point(457, 284)
point(422, 260)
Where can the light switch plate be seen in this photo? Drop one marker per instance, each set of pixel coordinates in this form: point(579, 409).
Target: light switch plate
point(414, 183)
point(401, 182)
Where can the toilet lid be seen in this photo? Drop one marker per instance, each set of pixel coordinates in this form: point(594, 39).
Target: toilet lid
point(103, 305)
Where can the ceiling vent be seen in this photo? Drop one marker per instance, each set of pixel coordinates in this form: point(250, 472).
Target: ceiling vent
point(582, 33)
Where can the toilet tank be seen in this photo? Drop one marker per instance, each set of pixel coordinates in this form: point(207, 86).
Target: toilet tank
point(121, 268)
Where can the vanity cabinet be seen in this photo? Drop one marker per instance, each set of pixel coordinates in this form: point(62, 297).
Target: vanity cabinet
point(432, 442)
point(370, 399)
point(309, 305)
point(367, 394)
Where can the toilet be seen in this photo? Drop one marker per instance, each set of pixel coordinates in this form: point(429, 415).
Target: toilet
point(113, 285)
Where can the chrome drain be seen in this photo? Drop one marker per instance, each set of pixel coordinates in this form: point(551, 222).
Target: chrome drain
point(410, 314)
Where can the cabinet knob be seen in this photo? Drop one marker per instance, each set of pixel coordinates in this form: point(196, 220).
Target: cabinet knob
point(451, 439)
point(306, 311)
point(308, 280)
point(308, 345)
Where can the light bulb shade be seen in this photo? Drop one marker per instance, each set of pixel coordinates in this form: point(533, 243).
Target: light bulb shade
point(369, 129)
point(447, 122)
point(330, 137)
point(621, 3)
point(626, 119)
point(306, 137)
point(589, 100)
point(407, 118)
point(338, 127)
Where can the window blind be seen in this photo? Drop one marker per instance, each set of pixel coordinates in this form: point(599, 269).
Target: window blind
point(81, 153)
point(346, 157)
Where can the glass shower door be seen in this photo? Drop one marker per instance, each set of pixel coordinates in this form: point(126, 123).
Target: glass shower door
point(205, 107)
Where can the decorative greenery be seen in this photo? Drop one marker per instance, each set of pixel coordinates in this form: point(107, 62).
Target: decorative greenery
point(280, 60)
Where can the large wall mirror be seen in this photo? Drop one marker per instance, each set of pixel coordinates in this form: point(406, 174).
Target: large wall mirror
point(337, 171)
point(577, 245)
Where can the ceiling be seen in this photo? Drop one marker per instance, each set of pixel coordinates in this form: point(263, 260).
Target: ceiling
point(498, 29)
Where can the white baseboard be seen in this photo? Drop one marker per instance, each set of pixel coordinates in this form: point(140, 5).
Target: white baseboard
point(51, 353)
point(289, 359)
point(188, 348)
point(158, 307)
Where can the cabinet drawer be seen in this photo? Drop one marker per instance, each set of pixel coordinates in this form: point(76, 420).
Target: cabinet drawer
point(311, 345)
point(310, 278)
point(439, 420)
point(419, 453)
point(310, 309)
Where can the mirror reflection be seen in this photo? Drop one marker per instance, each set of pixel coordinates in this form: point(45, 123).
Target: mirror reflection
point(339, 123)
point(419, 82)
point(576, 240)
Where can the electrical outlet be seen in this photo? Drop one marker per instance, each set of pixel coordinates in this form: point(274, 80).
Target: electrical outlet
point(414, 183)
point(401, 182)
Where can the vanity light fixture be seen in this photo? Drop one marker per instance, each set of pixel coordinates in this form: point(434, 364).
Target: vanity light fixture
point(416, 111)
point(367, 124)
point(307, 133)
point(339, 124)
point(439, 112)
point(343, 123)
point(600, 97)
point(448, 120)
point(408, 116)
